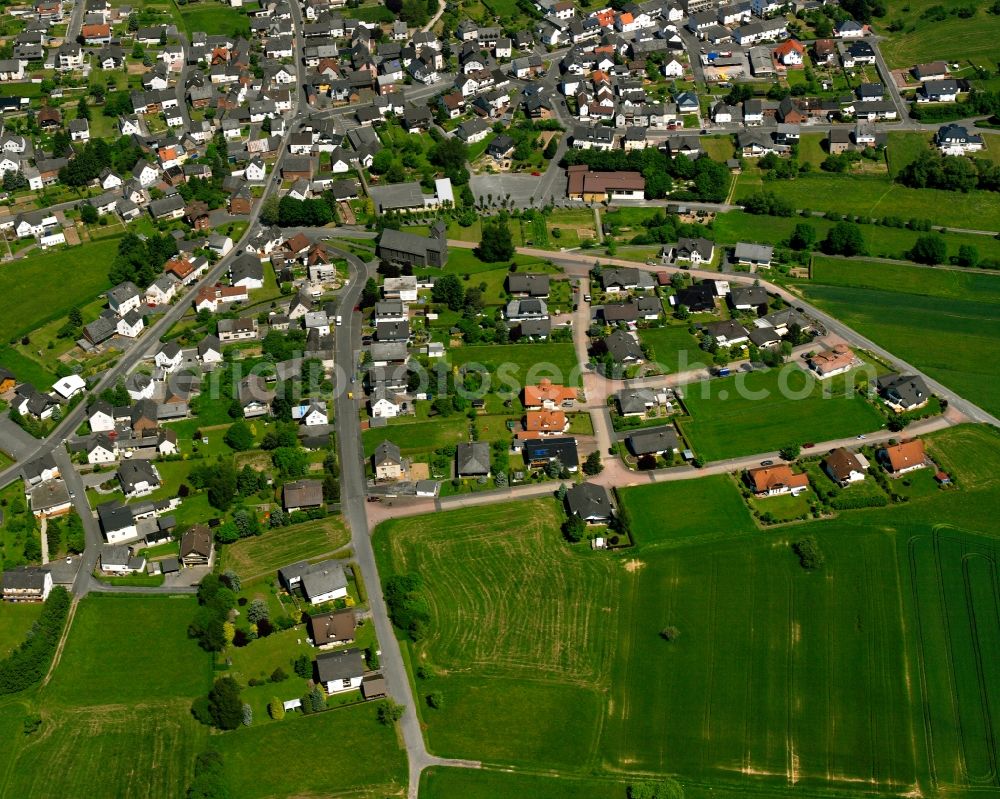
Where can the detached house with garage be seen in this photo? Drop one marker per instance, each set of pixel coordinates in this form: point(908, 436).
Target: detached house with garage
point(772, 481)
point(845, 467)
point(338, 672)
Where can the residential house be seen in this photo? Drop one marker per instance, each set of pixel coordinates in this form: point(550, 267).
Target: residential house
point(653, 442)
point(197, 546)
point(748, 298)
point(332, 629)
point(623, 348)
point(844, 466)
point(955, 139)
point(903, 393)
point(387, 461)
point(27, 584)
point(753, 255)
point(324, 582)
point(302, 495)
point(117, 522)
point(727, 333)
point(770, 481)
point(254, 396)
point(473, 459)
point(169, 356)
point(340, 671)
point(540, 452)
point(413, 250)
point(902, 458)
point(590, 502)
point(832, 362)
point(138, 478)
point(548, 396)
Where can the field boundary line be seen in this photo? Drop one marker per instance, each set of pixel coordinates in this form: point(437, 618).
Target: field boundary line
point(62, 642)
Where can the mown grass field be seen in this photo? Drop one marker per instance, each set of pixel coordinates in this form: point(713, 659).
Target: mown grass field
point(80, 274)
point(417, 437)
point(117, 710)
point(121, 674)
point(253, 557)
point(455, 783)
point(765, 411)
point(674, 348)
point(773, 664)
point(953, 39)
point(344, 752)
point(684, 511)
point(877, 195)
point(215, 20)
point(522, 636)
point(877, 671)
point(882, 242)
point(521, 364)
point(946, 323)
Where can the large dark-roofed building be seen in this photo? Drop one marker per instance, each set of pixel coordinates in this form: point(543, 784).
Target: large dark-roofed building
point(407, 248)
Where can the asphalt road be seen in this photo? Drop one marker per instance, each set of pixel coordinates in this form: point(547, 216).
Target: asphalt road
point(353, 496)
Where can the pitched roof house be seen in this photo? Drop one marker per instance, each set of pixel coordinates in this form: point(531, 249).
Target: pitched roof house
point(770, 481)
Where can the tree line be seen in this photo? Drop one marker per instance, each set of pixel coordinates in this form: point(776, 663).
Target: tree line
point(27, 664)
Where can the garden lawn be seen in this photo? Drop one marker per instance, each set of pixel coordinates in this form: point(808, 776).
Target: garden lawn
point(726, 422)
point(80, 273)
point(365, 759)
point(944, 322)
point(946, 284)
point(903, 148)
point(785, 507)
point(681, 511)
point(674, 348)
point(874, 195)
point(763, 685)
point(265, 554)
point(518, 365)
point(216, 20)
point(417, 437)
point(16, 619)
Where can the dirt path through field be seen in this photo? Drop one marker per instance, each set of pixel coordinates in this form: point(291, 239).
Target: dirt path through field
point(62, 641)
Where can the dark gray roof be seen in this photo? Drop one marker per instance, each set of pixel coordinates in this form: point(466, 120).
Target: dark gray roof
point(589, 501)
point(344, 665)
point(322, 578)
point(748, 295)
point(25, 578)
point(473, 459)
point(635, 400)
point(114, 516)
point(387, 452)
point(656, 439)
point(526, 283)
point(907, 389)
point(622, 346)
